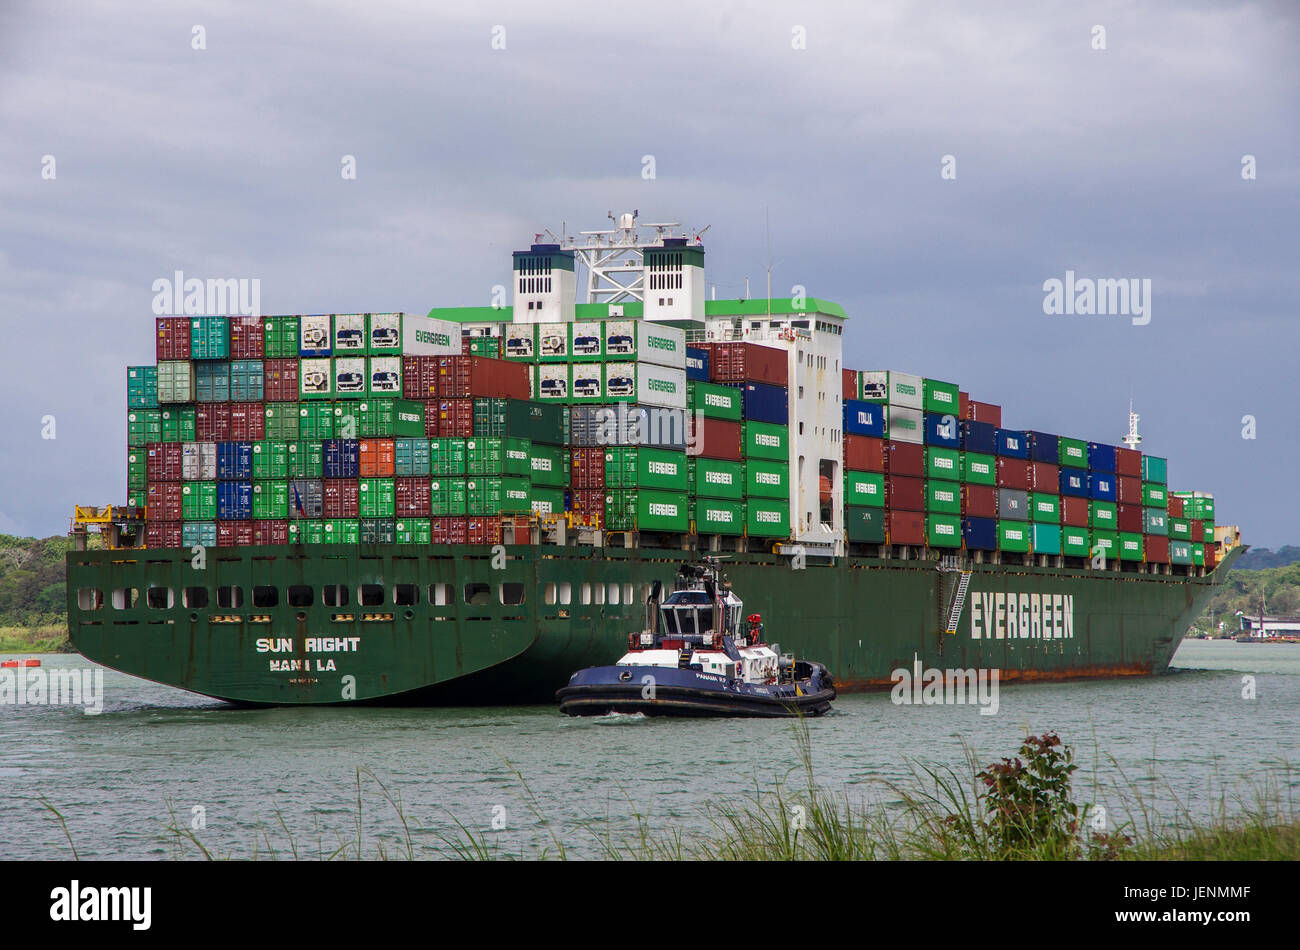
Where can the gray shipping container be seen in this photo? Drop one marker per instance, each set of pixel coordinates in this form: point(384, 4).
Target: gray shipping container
point(306, 498)
point(628, 424)
point(1013, 504)
point(199, 461)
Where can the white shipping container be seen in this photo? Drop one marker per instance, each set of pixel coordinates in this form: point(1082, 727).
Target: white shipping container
point(385, 375)
point(350, 376)
point(425, 336)
point(663, 345)
point(620, 339)
point(587, 381)
point(552, 382)
point(647, 384)
point(315, 334)
point(906, 424)
point(587, 340)
point(520, 341)
point(349, 333)
point(384, 333)
point(199, 461)
point(316, 377)
point(553, 341)
point(905, 390)
point(873, 385)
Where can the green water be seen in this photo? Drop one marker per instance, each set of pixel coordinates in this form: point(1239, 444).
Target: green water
point(1185, 738)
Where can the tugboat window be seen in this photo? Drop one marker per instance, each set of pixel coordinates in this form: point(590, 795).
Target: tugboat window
point(196, 597)
point(406, 595)
point(441, 595)
point(371, 595)
point(566, 592)
point(266, 596)
point(549, 593)
point(124, 598)
point(511, 593)
point(300, 595)
point(476, 594)
point(230, 597)
point(88, 598)
point(613, 593)
point(159, 598)
point(586, 593)
point(335, 595)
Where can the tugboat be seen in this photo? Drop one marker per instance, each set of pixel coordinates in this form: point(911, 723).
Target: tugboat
point(700, 658)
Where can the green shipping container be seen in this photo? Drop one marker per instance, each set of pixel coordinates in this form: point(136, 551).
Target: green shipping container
point(306, 532)
point(142, 387)
point(550, 466)
point(271, 460)
point(944, 498)
point(448, 456)
point(714, 401)
point(306, 459)
point(494, 495)
point(864, 490)
point(1013, 536)
point(1072, 452)
point(1154, 495)
point(210, 338)
point(1045, 508)
point(283, 421)
point(136, 472)
point(1130, 546)
point(199, 501)
point(377, 497)
point(764, 440)
point(1155, 521)
point(865, 525)
point(943, 530)
point(767, 479)
point(547, 501)
point(1075, 542)
point(270, 501)
point(315, 420)
point(538, 421)
point(715, 478)
point(281, 340)
point(977, 469)
point(1198, 508)
point(178, 425)
point(716, 516)
point(646, 511)
point(1155, 469)
point(1198, 554)
point(175, 381)
point(1180, 529)
point(1104, 543)
point(343, 531)
point(144, 426)
point(767, 518)
point(942, 464)
point(492, 456)
point(1102, 514)
point(1208, 536)
point(662, 469)
point(1045, 538)
point(411, 457)
point(448, 496)
point(414, 531)
point(1180, 552)
point(941, 398)
point(378, 531)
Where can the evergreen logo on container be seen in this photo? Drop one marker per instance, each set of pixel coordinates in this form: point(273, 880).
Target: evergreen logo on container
point(212, 297)
point(1106, 296)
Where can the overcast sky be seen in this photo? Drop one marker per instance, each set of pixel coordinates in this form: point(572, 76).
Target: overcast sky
point(1122, 162)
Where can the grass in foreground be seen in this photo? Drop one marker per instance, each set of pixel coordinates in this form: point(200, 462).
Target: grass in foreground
point(53, 639)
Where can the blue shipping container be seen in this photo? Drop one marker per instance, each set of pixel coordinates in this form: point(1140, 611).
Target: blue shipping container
point(697, 364)
point(979, 437)
point(212, 381)
point(1046, 538)
point(864, 418)
point(342, 458)
point(234, 501)
point(246, 381)
point(234, 461)
point(1013, 444)
point(942, 430)
point(1043, 447)
point(767, 403)
point(1101, 458)
point(1074, 482)
point(1101, 486)
point(201, 533)
point(980, 534)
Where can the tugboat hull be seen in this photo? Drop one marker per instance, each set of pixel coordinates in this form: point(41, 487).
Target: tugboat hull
point(656, 691)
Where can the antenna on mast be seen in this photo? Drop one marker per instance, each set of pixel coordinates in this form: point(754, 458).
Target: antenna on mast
point(1132, 439)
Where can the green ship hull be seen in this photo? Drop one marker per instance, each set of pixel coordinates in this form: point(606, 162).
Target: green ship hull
point(458, 625)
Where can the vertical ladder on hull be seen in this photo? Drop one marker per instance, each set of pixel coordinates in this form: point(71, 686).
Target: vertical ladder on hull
point(958, 601)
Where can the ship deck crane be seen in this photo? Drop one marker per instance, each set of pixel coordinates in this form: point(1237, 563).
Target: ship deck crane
point(114, 523)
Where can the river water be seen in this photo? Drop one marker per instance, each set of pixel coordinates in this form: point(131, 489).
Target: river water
point(256, 783)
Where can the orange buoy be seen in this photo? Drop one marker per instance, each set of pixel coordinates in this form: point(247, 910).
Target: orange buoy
point(32, 662)
point(5, 664)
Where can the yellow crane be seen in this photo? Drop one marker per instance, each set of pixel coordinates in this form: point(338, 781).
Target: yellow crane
point(121, 526)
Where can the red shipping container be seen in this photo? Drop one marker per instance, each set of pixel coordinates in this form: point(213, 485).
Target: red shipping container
point(483, 531)
point(468, 376)
point(247, 338)
point(378, 458)
point(449, 530)
point(431, 419)
point(589, 505)
point(748, 362)
point(1198, 530)
point(1074, 511)
point(342, 498)
point(412, 497)
point(165, 501)
point(173, 338)
point(212, 422)
point(163, 462)
point(1128, 491)
point(162, 534)
point(247, 421)
point(1045, 477)
point(979, 501)
point(1155, 547)
point(904, 527)
point(1128, 462)
point(1129, 518)
point(1175, 507)
point(1014, 473)
point(904, 458)
point(588, 469)
point(904, 493)
point(234, 534)
point(280, 380)
point(270, 532)
point(1211, 555)
point(849, 383)
point(963, 404)
point(984, 412)
point(455, 418)
point(863, 453)
point(714, 439)
point(420, 377)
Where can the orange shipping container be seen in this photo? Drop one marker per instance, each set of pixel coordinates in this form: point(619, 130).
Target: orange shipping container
point(378, 458)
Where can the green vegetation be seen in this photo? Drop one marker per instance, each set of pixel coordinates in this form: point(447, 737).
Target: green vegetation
point(1257, 559)
point(1277, 589)
point(1020, 809)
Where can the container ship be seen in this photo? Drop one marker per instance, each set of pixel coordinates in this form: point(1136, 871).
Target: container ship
point(466, 506)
